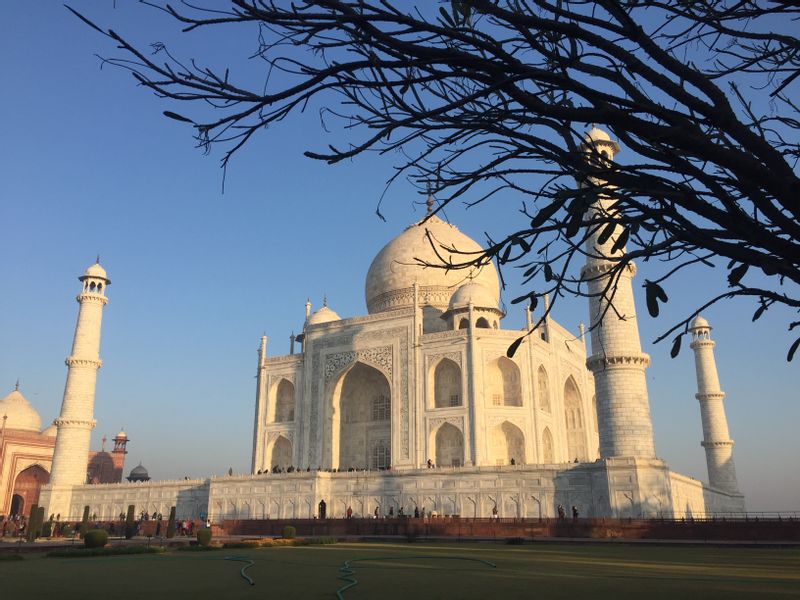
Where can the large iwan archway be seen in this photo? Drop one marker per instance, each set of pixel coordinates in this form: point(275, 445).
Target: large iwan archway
point(364, 419)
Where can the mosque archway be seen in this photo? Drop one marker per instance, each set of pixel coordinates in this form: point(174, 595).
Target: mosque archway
point(284, 401)
point(449, 446)
point(503, 379)
point(575, 421)
point(28, 484)
point(543, 387)
point(281, 453)
point(364, 419)
point(447, 384)
point(508, 443)
point(482, 323)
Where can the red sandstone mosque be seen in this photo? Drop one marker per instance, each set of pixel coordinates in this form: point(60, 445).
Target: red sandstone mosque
point(26, 455)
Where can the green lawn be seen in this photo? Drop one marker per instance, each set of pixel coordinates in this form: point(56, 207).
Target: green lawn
point(532, 571)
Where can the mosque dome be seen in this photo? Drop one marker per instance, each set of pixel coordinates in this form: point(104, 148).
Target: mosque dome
point(323, 315)
point(95, 271)
point(400, 263)
point(20, 413)
point(474, 293)
point(139, 473)
point(699, 323)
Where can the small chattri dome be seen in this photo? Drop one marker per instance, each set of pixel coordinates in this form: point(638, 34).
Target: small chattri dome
point(122, 434)
point(323, 315)
point(597, 137)
point(139, 473)
point(20, 413)
point(699, 323)
point(95, 272)
point(474, 293)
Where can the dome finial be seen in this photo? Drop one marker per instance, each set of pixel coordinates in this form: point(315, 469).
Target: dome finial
point(429, 203)
point(16, 386)
point(98, 259)
point(325, 300)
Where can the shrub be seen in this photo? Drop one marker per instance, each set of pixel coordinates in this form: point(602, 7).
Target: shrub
point(67, 530)
point(322, 540)
point(289, 532)
point(204, 536)
point(85, 521)
point(171, 524)
point(10, 557)
point(47, 529)
point(95, 538)
point(130, 523)
point(515, 541)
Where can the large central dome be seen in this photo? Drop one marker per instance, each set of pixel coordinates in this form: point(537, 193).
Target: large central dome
point(394, 270)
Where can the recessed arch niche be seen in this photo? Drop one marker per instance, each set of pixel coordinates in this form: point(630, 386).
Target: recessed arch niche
point(447, 384)
point(575, 421)
point(503, 379)
point(361, 419)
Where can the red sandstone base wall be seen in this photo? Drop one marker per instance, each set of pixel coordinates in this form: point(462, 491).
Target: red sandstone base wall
point(758, 530)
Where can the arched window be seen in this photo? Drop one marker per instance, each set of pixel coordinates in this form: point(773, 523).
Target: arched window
point(380, 455)
point(463, 324)
point(447, 384)
point(482, 323)
point(548, 454)
point(543, 389)
point(573, 416)
point(449, 446)
point(380, 407)
point(284, 401)
point(504, 383)
point(91, 286)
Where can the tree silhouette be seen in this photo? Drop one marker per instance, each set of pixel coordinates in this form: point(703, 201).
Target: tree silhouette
point(482, 96)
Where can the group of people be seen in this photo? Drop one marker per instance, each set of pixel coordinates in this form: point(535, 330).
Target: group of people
point(401, 514)
point(292, 469)
point(562, 514)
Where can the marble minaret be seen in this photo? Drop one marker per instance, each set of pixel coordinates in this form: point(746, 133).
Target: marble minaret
point(617, 361)
point(76, 421)
point(716, 440)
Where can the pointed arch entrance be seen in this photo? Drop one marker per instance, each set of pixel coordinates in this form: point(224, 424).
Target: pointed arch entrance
point(281, 456)
point(508, 442)
point(27, 486)
point(362, 415)
point(449, 446)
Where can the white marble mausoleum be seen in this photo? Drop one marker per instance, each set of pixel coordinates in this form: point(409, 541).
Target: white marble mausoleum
point(416, 404)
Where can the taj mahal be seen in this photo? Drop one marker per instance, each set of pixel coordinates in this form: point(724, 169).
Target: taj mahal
point(418, 404)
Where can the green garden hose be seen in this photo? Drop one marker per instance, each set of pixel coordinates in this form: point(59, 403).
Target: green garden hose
point(249, 564)
point(348, 572)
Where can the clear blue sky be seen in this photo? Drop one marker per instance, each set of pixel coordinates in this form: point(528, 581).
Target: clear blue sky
point(90, 166)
